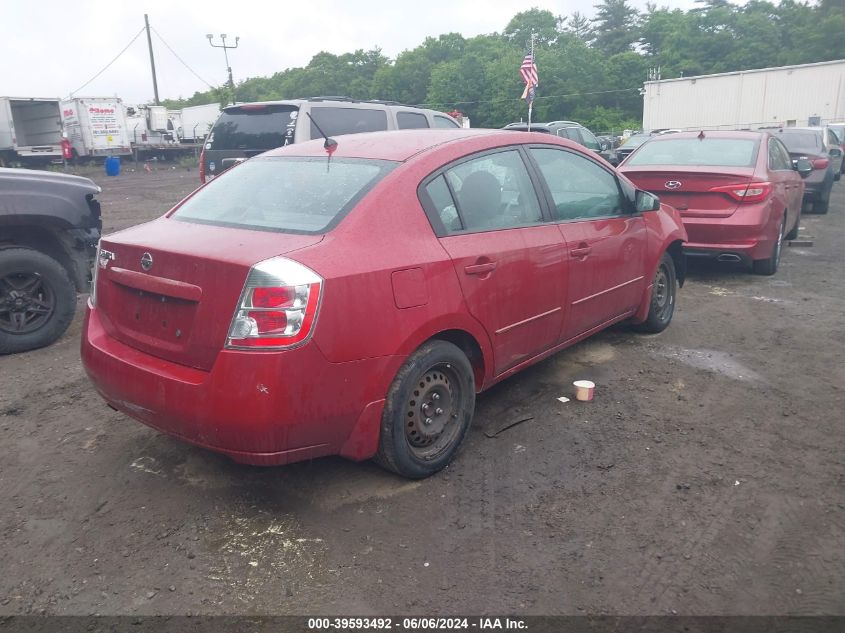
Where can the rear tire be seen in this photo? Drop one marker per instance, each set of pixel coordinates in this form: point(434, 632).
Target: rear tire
point(428, 410)
point(37, 300)
point(663, 295)
point(770, 266)
point(823, 203)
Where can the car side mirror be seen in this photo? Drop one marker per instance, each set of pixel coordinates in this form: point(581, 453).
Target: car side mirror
point(836, 152)
point(646, 201)
point(803, 167)
point(604, 146)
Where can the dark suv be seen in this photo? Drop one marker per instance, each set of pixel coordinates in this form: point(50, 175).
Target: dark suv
point(49, 228)
point(249, 129)
point(821, 147)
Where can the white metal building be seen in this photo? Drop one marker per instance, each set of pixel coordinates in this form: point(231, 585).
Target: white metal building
point(808, 94)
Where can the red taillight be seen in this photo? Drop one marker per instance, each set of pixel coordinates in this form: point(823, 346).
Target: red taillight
point(67, 151)
point(278, 306)
point(752, 192)
point(820, 163)
point(202, 165)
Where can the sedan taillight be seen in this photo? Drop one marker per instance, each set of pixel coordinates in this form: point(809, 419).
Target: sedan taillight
point(820, 163)
point(752, 192)
point(278, 306)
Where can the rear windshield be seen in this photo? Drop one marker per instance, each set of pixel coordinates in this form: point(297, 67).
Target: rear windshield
point(290, 195)
point(714, 152)
point(636, 140)
point(253, 127)
point(802, 142)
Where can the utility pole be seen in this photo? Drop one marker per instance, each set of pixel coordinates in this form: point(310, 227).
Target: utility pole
point(226, 49)
point(152, 58)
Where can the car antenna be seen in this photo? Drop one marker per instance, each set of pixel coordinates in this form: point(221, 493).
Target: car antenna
point(329, 144)
point(701, 135)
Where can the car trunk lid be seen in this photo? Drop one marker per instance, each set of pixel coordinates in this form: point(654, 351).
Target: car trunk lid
point(691, 193)
point(171, 291)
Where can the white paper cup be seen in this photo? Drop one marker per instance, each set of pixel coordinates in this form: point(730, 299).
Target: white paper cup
point(584, 390)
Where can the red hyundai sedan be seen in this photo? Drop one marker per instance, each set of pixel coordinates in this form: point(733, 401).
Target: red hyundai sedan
point(354, 302)
point(738, 193)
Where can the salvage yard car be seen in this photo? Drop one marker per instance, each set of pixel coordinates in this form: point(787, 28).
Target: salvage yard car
point(821, 147)
point(354, 301)
point(248, 129)
point(49, 227)
point(738, 193)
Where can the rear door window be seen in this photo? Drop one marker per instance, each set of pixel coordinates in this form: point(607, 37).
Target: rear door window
point(411, 120)
point(337, 121)
point(248, 127)
point(491, 192)
point(293, 195)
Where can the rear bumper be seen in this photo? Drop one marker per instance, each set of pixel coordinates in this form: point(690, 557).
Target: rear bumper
point(746, 235)
point(257, 408)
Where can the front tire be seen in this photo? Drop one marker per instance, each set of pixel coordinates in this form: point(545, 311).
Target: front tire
point(37, 300)
point(793, 232)
point(428, 411)
point(663, 295)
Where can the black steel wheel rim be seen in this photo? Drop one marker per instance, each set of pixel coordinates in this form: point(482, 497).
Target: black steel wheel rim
point(662, 294)
point(26, 302)
point(432, 411)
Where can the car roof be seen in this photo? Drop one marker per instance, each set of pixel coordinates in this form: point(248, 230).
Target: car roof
point(737, 134)
point(330, 100)
point(402, 145)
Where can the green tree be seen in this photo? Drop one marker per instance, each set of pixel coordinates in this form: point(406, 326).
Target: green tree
point(615, 26)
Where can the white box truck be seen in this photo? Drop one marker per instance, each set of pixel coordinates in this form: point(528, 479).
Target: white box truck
point(197, 122)
point(30, 130)
point(96, 126)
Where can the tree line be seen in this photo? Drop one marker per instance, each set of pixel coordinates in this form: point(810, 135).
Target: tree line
point(591, 69)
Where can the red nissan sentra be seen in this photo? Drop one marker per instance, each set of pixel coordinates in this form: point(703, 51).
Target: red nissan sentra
point(308, 303)
point(738, 193)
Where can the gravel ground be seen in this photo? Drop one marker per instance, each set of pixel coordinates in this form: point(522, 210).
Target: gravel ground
point(705, 478)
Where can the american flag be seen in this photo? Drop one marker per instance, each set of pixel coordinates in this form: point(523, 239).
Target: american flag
point(528, 70)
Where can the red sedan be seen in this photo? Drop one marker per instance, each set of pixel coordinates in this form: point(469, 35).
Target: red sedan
point(739, 193)
point(354, 302)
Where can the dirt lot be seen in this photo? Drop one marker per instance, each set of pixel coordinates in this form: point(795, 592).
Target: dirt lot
point(706, 478)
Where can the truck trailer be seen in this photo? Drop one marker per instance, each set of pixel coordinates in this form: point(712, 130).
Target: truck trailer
point(96, 126)
point(30, 130)
point(806, 94)
point(197, 121)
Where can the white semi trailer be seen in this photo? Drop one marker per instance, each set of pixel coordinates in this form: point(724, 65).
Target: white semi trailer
point(808, 94)
point(30, 130)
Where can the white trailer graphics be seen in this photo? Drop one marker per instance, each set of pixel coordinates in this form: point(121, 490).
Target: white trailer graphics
point(808, 94)
point(96, 126)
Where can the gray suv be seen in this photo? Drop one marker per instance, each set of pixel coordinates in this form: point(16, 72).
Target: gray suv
point(822, 148)
point(248, 129)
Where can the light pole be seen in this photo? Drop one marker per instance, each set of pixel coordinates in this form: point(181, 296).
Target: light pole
point(225, 48)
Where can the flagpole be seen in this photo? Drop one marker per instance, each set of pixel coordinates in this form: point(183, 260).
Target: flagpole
point(531, 101)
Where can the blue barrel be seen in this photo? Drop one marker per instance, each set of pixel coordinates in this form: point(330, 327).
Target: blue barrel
point(113, 166)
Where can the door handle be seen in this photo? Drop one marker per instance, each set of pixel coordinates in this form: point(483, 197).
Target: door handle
point(581, 251)
point(480, 269)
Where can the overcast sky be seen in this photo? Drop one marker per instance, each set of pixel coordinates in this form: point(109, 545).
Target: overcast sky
point(51, 48)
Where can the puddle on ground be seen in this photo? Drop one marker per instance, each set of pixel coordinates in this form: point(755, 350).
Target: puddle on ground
point(712, 360)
